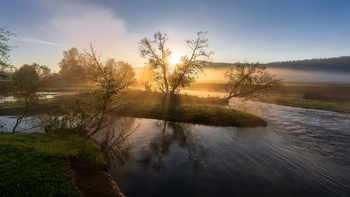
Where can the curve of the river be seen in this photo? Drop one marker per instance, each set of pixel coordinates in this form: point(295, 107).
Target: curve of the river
point(300, 152)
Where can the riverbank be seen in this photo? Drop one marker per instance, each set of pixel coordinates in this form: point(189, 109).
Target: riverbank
point(38, 164)
point(182, 108)
point(323, 96)
point(298, 100)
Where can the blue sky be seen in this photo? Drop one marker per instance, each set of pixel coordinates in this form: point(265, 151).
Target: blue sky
point(238, 30)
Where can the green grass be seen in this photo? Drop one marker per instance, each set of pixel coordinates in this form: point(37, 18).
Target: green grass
point(36, 164)
point(297, 100)
point(184, 108)
point(200, 114)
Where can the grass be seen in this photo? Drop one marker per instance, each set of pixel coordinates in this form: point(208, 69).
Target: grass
point(198, 114)
point(36, 164)
point(184, 108)
point(297, 100)
point(336, 96)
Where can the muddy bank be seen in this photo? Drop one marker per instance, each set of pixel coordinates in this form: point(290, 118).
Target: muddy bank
point(92, 182)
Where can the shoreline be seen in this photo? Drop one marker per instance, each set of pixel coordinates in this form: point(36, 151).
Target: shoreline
point(39, 164)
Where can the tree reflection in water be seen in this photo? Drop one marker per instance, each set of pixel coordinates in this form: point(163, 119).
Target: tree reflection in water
point(114, 141)
point(172, 132)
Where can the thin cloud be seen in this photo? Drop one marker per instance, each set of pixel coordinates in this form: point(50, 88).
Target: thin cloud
point(32, 40)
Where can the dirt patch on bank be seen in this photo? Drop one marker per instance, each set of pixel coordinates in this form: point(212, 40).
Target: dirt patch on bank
point(92, 182)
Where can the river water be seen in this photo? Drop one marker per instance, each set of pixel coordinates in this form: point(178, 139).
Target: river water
point(300, 152)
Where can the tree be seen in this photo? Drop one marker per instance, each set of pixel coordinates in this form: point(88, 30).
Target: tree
point(248, 80)
point(145, 78)
point(93, 116)
point(127, 73)
point(27, 82)
point(72, 66)
point(4, 51)
point(184, 73)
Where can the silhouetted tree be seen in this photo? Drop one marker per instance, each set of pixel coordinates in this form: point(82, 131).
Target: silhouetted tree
point(4, 51)
point(27, 82)
point(72, 66)
point(248, 80)
point(184, 73)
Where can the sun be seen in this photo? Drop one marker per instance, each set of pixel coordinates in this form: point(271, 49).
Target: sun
point(175, 59)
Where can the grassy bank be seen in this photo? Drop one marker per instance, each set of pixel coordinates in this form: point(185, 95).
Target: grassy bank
point(198, 114)
point(183, 108)
point(328, 96)
point(41, 165)
point(298, 100)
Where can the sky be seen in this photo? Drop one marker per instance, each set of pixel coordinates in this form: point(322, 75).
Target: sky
point(238, 30)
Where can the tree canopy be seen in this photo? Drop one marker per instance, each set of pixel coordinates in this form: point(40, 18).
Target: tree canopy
point(72, 66)
point(4, 51)
point(28, 81)
point(248, 80)
point(169, 79)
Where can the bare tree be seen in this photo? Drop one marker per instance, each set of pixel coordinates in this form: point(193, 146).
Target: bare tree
point(249, 80)
point(184, 73)
point(4, 51)
point(28, 81)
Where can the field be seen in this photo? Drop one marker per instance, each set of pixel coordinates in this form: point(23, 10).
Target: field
point(331, 97)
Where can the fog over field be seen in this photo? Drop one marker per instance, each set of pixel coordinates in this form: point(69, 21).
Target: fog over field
point(215, 75)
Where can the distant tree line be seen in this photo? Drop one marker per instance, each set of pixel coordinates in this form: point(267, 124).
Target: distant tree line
point(334, 65)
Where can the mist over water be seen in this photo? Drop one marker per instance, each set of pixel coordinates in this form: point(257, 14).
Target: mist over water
point(300, 152)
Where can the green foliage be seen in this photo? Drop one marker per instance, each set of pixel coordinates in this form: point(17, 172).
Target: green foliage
point(27, 82)
point(72, 66)
point(25, 172)
point(35, 164)
point(4, 51)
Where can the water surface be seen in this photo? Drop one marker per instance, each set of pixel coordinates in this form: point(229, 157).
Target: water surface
point(300, 152)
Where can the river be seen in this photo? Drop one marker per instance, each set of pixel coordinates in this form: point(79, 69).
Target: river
point(300, 152)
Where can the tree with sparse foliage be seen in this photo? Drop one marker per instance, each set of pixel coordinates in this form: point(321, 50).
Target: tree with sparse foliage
point(108, 81)
point(94, 115)
point(28, 81)
point(4, 51)
point(168, 79)
point(249, 80)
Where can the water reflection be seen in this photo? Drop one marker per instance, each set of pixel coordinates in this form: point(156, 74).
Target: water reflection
point(28, 125)
point(170, 133)
point(114, 140)
point(44, 95)
point(295, 154)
